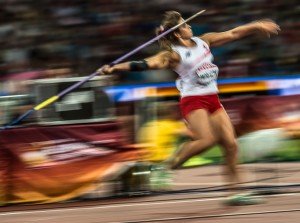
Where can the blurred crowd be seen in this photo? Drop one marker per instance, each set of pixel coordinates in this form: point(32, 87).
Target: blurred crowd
point(73, 38)
point(82, 35)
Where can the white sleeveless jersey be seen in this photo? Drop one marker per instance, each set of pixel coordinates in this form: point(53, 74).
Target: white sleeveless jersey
point(197, 74)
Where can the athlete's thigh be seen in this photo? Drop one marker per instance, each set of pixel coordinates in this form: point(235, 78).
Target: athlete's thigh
point(223, 126)
point(198, 121)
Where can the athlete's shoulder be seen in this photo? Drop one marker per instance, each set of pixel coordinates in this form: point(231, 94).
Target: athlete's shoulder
point(205, 38)
point(170, 55)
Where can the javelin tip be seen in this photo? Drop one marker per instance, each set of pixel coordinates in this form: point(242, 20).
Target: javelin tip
point(200, 12)
point(193, 16)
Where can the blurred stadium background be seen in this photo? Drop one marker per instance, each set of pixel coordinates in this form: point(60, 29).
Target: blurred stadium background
point(47, 45)
point(83, 35)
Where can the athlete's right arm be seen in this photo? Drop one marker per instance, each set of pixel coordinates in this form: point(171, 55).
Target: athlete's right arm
point(161, 60)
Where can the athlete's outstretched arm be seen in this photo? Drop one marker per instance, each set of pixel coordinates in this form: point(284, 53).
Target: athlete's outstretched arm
point(160, 60)
point(266, 27)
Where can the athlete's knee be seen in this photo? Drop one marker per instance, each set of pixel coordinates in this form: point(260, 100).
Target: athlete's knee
point(204, 142)
point(231, 145)
point(211, 140)
point(206, 137)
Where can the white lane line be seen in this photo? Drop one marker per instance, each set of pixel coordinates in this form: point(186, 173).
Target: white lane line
point(220, 184)
point(238, 214)
point(127, 205)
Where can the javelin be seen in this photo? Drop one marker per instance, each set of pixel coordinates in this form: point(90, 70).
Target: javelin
point(74, 86)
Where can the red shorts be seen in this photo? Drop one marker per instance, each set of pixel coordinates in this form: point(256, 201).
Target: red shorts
point(190, 103)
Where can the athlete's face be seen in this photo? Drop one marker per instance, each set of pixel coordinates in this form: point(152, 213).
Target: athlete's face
point(185, 30)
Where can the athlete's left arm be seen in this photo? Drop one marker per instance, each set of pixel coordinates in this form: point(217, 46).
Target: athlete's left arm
point(266, 27)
